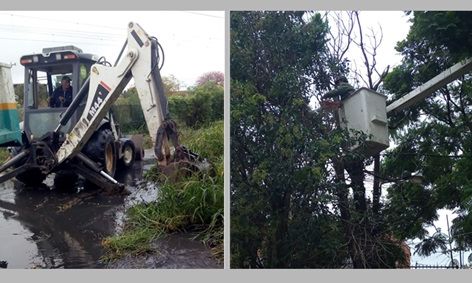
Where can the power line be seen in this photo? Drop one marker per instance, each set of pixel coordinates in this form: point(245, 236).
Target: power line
point(59, 30)
point(203, 14)
point(114, 39)
point(43, 40)
point(87, 35)
point(65, 35)
point(81, 33)
point(63, 21)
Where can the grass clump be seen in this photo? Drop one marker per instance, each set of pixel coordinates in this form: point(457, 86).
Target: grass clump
point(191, 204)
point(4, 155)
point(207, 141)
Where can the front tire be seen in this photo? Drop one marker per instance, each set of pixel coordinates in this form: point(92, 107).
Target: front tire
point(129, 154)
point(31, 178)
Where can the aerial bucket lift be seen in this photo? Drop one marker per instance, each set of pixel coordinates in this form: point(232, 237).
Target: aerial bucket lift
point(366, 111)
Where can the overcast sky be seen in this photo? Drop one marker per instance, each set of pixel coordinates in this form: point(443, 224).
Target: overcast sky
point(395, 26)
point(193, 42)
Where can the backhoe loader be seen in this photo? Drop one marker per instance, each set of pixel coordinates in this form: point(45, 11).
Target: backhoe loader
point(81, 137)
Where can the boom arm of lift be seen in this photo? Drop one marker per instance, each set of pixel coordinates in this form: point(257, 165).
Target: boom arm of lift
point(106, 83)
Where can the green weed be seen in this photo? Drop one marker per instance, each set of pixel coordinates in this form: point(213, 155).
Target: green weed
point(4, 155)
point(191, 204)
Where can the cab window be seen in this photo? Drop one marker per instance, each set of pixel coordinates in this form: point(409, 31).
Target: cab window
point(41, 83)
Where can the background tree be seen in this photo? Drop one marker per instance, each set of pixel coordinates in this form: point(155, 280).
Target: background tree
point(215, 77)
point(196, 107)
point(171, 84)
point(434, 136)
point(291, 197)
point(281, 189)
point(203, 104)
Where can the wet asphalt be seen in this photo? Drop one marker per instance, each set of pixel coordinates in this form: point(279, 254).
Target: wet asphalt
point(44, 227)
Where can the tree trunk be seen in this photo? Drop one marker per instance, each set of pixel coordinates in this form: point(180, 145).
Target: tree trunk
point(376, 190)
point(343, 200)
point(278, 254)
point(355, 169)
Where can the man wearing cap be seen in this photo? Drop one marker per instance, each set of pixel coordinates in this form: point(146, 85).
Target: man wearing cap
point(342, 91)
point(62, 96)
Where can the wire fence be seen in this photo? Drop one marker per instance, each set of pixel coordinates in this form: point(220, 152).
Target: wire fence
point(426, 266)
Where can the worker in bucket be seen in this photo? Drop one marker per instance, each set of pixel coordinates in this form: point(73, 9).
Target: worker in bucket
point(341, 91)
point(62, 96)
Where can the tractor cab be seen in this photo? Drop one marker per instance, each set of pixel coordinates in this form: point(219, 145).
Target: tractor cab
point(43, 75)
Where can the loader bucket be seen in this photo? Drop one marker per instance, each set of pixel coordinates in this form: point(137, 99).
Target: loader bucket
point(10, 133)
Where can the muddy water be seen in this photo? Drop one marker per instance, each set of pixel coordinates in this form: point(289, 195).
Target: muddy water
point(46, 228)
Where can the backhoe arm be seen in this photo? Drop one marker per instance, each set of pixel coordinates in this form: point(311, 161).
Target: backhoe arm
point(140, 61)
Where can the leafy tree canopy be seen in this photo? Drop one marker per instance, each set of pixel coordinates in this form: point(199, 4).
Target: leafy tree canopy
point(280, 194)
point(434, 136)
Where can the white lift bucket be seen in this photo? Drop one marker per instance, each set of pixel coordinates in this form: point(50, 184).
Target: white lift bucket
point(365, 111)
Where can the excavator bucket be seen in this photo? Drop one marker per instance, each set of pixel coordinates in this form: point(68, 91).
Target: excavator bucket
point(10, 133)
point(179, 162)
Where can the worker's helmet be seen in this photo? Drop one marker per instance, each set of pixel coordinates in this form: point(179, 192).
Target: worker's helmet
point(340, 79)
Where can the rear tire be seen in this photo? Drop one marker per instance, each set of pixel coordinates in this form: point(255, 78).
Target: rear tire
point(101, 148)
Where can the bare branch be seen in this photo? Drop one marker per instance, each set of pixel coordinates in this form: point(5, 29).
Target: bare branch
point(349, 30)
point(358, 75)
point(363, 50)
point(381, 77)
point(341, 34)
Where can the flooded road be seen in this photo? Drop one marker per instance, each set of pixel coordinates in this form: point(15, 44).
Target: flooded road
point(45, 228)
